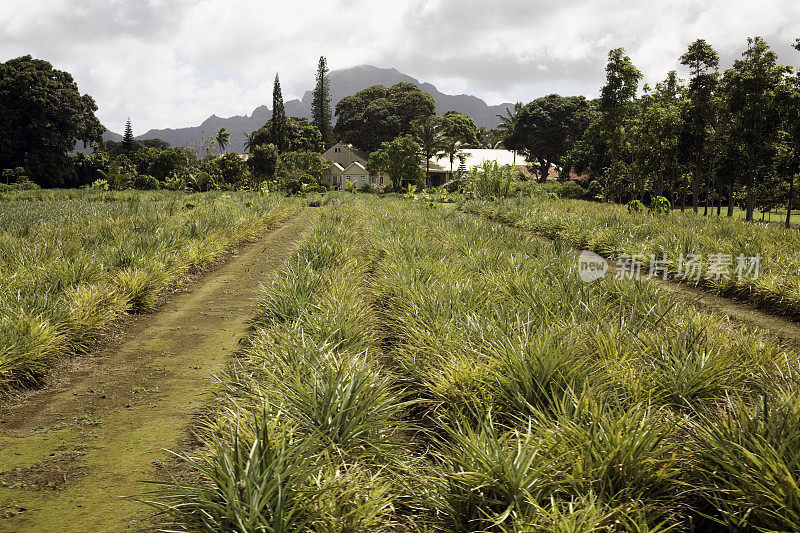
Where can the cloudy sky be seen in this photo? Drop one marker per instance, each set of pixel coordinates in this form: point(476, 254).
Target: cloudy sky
point(172, 63)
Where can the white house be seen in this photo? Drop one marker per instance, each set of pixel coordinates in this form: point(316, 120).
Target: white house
point(332, 176)
point(337, 177)
point(349, 164)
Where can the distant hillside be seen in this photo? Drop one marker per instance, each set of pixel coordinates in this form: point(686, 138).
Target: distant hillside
point(349, 81)
point(343, 82)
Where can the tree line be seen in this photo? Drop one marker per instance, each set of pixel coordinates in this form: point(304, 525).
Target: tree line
point(43, 114)
point(717, 139)
point(727, 138)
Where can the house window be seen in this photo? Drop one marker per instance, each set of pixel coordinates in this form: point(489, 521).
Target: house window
point(372, 179)
point(336, 150)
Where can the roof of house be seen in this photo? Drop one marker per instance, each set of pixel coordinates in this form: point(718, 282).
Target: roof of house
point(361, 154)
point(475, 157)
point(359, 167)
point(435, 167)
point(337, 166)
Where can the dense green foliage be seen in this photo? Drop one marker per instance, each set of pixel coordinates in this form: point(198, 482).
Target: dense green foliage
point(377, 114)
point(42, 115)
point(399, 161)
point(73, 261)
point(547, 128)
point(721, 139)
point(321, 104)
point(415, 369)
point(298, 134)
point(612, 230)
point(460, 127)
point(278, 133)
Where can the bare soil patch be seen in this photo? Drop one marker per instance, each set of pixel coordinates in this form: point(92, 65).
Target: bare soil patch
point(73, 454)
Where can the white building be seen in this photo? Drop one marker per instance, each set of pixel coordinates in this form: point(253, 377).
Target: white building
point(349, 164)
point(469, 158)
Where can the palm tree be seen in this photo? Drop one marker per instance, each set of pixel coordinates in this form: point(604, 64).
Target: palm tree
point(223, 139)
point(429, 136)
point(451, 149)
point(507, 122)
point(249, 139)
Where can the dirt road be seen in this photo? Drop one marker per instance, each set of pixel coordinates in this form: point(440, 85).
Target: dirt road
point(74, 452)
point(778, 327)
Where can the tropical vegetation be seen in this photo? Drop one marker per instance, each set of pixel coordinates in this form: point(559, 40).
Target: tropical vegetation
point(72, 262)
point(417, 369)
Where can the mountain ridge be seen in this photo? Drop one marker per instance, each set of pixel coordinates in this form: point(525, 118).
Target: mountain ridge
point(343, 82)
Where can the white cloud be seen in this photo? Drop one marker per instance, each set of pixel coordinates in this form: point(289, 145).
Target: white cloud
point(171, 63)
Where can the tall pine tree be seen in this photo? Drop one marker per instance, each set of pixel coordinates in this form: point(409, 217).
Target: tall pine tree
point(278, 115)
point(321, 105)
point(128, 143)
point(616, 104)
point(702, 61)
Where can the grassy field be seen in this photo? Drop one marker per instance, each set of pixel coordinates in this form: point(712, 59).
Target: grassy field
point(71, 262)
point(414, 369)
point(610, 230)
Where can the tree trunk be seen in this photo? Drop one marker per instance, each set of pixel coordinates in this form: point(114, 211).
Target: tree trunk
point(696, 188)
point(683, 199)
point(749, 200)
point(789, 203)
point(451, 166)
point(730, 200)
point(428, 171)
point(544, 170)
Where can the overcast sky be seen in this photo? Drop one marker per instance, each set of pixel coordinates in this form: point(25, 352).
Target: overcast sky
point(172, 63)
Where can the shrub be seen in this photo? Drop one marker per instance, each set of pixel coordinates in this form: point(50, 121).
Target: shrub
point(143, 182)
point(660, 206)
point(563, 189)
point(249, 482)
point(202, 181)
point(100, 185)
point(749, 458)
point(595, 189)
point(635, 206)
point(490, 180)
point(231, 169)
point(296, 186)
point(24, 185)
point(174, 183)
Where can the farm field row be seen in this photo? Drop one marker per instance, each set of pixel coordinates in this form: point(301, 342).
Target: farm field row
point(416, 369)
point(669, 243)
point(71, 262)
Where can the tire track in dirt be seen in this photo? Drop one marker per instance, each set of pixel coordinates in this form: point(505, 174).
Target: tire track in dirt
point(73, 453)
point(739, 312)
